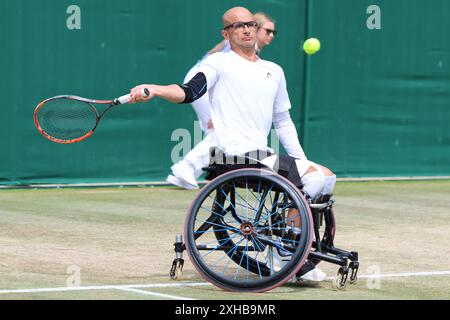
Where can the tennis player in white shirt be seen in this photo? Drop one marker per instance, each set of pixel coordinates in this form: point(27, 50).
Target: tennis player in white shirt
point(247, 94)
point(186, 171)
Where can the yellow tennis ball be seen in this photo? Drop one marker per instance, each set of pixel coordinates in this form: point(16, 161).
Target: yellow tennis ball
point(311, 46)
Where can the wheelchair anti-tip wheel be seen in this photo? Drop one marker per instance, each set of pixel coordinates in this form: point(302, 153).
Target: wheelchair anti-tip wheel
point(239, 231)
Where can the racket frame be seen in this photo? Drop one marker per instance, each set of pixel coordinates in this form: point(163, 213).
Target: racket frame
point(90, 102)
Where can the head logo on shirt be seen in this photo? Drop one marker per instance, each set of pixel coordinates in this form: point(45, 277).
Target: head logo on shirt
point(269, 75)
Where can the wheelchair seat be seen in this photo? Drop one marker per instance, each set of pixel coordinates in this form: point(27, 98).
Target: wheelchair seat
point(221, 163)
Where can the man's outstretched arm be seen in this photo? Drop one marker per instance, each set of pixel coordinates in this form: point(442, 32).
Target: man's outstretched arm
point(172, 93)
point(185, 93)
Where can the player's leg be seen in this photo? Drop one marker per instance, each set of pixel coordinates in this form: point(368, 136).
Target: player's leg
point(330, 180)
point(190, 168)
point(300, 172)
point(313, 180)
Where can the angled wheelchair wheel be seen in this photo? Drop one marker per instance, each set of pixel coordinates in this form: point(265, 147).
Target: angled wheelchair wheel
point(238, 235)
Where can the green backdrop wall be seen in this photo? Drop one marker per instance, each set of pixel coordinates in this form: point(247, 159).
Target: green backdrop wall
point(370, 103)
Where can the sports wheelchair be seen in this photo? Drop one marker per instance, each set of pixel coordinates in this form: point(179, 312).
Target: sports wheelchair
point(239, 235)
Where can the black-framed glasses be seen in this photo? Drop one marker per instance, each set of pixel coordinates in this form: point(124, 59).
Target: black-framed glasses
point(241, 25)
point(269, 31)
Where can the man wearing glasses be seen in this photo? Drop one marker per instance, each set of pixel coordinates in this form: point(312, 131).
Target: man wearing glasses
point(248, 94)
point(184, 173)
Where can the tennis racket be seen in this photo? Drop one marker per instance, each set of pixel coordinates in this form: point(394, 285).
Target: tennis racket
point(69, 119)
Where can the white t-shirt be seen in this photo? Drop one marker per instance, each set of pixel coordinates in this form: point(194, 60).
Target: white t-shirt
point(244, 95)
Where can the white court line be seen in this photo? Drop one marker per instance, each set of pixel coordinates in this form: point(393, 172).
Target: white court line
point(188, 284)
point(149, 293)
point(406, 274)
point(111, 287)
point(201, 182)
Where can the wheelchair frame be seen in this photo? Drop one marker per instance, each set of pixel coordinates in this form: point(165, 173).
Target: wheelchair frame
point(320, 235)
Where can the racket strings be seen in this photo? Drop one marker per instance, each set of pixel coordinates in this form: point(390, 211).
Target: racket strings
point(67, 119)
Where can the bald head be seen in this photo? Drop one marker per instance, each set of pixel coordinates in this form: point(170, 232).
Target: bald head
point(236, 14)
point(239, 28)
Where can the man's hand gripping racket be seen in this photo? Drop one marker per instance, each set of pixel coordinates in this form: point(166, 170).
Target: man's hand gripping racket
point(70, 119)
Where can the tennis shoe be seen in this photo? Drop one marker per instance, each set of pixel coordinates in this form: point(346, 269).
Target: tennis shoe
point(185, 172)
point(309, 272)
point(315, 275)
point(180, 183)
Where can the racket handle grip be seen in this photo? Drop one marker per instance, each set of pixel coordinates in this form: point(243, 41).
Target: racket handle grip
point(127, 98)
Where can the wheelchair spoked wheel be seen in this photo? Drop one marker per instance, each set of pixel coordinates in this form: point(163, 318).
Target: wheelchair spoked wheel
point(237, 232)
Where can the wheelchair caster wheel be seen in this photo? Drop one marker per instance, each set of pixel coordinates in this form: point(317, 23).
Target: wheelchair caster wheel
point(353, 279)
point(354, 265)
point(177, 269)
point(340, 281)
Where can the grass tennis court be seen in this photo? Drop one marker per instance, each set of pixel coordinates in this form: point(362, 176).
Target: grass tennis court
point(119, 243)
